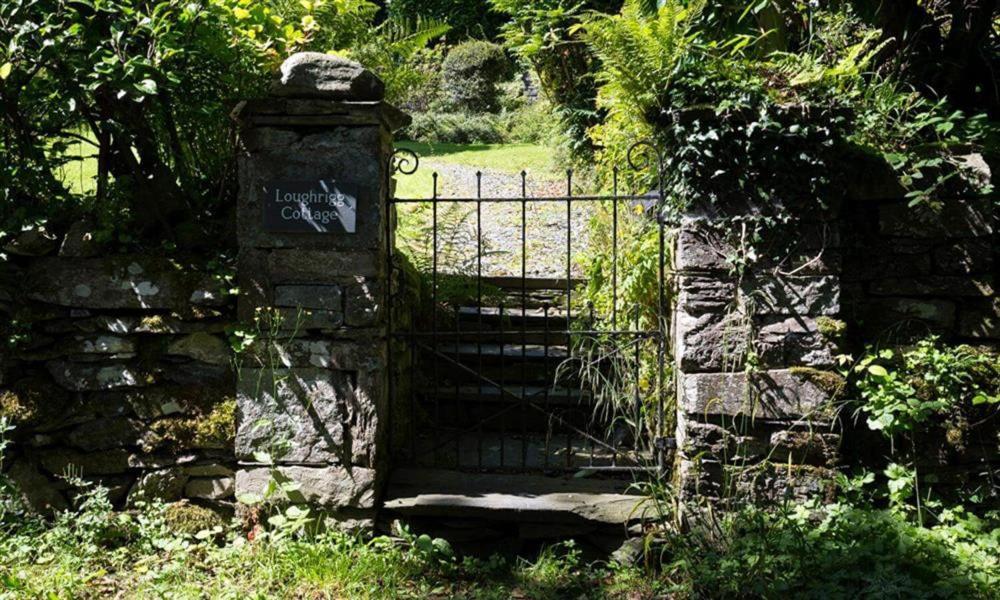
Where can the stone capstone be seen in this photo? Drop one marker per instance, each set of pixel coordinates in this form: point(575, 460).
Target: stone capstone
point(318, 75)
point(330, 486)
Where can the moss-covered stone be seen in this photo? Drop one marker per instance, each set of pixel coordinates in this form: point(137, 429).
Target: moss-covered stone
point(187, 518)
point(830, 328)
point(830, 382)
point(216, 429)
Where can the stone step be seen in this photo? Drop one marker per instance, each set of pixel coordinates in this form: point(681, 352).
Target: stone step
point(516, 450)
point(545, 395)
point(557, 284)
point(533, 318)
point(496, 352)
point(517, 498)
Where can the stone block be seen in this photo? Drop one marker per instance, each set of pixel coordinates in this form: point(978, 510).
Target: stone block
point(700, 294)
point(210, 488)
point(166, 485)
point(980, 319)
point(302, 415)
point(775, 394)
point(362, 303)
point(114, 282)
point(718, 342)
point(288, 266)
point(81, 377)
point(60, 461)
point(319, 297)
point(300, 320)
point(37, 490)
point(79, 241)
point(203, 347)
point(105, 434)
point(331, 486)
point(936, 285)
point(965, 257)
point(794, 295)
point(806, 248)
point(955, 219)
point(348, 153)
point(804, 447)
point(341, 355)
point(884, 313)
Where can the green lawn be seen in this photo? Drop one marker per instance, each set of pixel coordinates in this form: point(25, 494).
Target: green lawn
point(509, 158)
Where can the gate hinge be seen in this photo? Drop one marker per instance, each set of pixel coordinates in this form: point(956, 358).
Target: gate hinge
point(665, 443)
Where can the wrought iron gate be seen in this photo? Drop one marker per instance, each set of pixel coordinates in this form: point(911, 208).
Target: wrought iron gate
point(513, 372)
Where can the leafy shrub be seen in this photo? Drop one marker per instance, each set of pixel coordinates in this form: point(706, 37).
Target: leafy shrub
point(904, 389)
point(839, 551)
point(472, 71)
point(456, 128)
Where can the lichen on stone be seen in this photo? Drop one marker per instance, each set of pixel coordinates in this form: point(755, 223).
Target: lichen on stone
point(828, 381)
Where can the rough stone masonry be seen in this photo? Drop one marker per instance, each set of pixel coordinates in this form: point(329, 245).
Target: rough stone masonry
point(312, 399)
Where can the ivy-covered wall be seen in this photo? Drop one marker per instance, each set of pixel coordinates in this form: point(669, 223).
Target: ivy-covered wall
point(118, 369)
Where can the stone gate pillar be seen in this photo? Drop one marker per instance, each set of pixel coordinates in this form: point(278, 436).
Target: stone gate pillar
point(313, 224)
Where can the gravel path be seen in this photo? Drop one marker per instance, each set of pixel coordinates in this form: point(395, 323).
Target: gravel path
point(544, 235)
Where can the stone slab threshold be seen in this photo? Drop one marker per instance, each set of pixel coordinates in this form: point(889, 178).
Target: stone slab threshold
point(503, 497)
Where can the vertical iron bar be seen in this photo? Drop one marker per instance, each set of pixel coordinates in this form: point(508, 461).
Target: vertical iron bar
point(503, 416)
point(661, 351)
point(637, 340)
point(434, 302)
point(569, 295)
point(459, 413)
point(389, 367)
point(524, 316)
point(590, 326)
point(614, 249)
point(413, 389)
point(479, 310)
point(545, 368)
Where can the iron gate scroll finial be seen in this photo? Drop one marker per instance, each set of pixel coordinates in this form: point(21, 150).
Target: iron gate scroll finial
point(403, 160)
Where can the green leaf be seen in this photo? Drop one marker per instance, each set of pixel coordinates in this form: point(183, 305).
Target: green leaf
point(5, 70)
point(878, 371)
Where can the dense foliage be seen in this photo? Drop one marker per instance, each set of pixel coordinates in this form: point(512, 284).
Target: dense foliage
point(140, 93)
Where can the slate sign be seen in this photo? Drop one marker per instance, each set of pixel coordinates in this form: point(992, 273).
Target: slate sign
point(321, 206)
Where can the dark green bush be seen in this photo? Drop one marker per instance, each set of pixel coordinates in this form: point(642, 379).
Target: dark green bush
point(472, 73)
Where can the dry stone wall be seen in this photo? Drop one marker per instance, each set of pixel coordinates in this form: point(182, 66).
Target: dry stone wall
point(758, 326)
point(120, 373)
point(755, 355)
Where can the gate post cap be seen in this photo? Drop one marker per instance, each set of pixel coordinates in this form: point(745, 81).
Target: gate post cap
point(318, 75)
